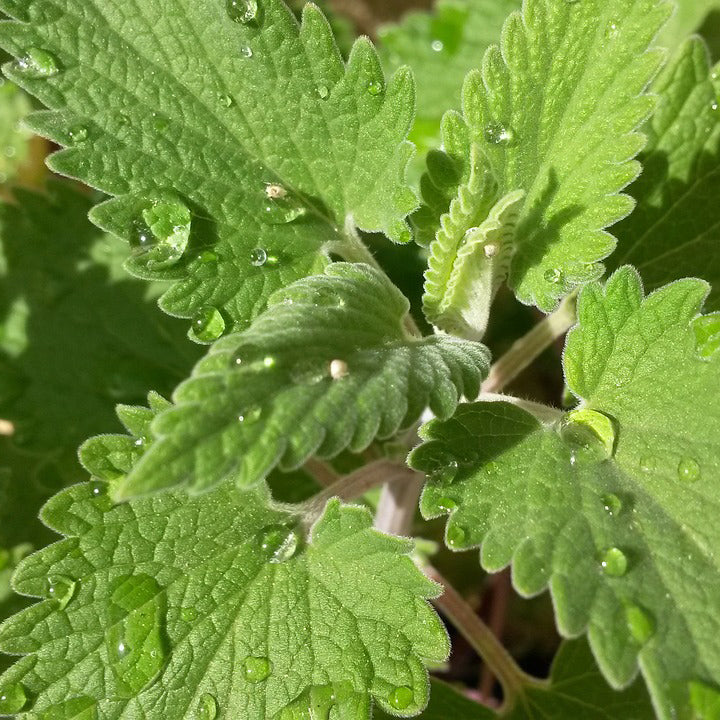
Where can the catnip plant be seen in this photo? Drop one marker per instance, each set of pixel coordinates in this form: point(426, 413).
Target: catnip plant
point(360, 336)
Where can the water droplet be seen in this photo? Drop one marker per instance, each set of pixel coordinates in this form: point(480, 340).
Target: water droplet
point(553, 275)
point(401, 697)
point(257, 669)
point(612, 504)
point(188, 614)
point(446, 504)
point(159, 122)
point(135, 641)
point(338, 369)
point(245, 356)
point(437, 45)
point(283, 208)
point(250, 415)
point(612, 31)
point(245, 12)
point(497, 134)
point(456, 536)
point(207, 325)
point(226, 100)
point(309, 371)
point(279, 543)
point(640, 624)
point(688, 470)
point(61, 588)
point(589, 433)
point(376, 87)
point(614, 562)
point(258, 257)
point(161, 237)
point(705, 700)
point(323, 92)
point(78, 134)
point(246, 52)
point(78, 708)
point(648, 464)
point(37, 63)
point(713, 106)
point(207, 707)
point(207, 257)
point(13, 699)
point(442, 469)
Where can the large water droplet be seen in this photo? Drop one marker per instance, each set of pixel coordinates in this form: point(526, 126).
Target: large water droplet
point(446, 504)
point(553, 275)
point(589, 433)
point(456, 536)
point(188, 614)
point(442, 468)
point(705, 700)
point(258, 257)
point(37, 63)
point(612, 504)
point(257, 669)
point(614, 562)
point(207, 325)
point(13, 699)
point(283, 209)
point(688, 470)
point(61, 588)
point(323, 92)
point(640, 624)
point(279, 543)
point(246, 52)
point(401, 697)
point(161, 237)
point(78, 134)
point(135, 641)
point(226, 100)
point(376, 87)
point(437, 45)
point(245, 12)
point(207, 707)
point(497, 134)
point(79, 708)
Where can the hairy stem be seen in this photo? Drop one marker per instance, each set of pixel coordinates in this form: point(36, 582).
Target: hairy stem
point(353, 486)
point(528, 348)
point(398, 501)
point(481, 638)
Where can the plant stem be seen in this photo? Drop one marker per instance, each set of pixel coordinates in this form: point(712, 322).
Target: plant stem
point(322, 472)
point(512, 678)
point(528, 348)
point(544, 413)
point(398, 500)
point(353, 486)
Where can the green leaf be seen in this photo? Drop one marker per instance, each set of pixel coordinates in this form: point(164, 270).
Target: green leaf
point(555, 113)
point(256, 128)
point(674, 229)
point(219, 603)
point(613, 507)
point(327, 367)
point(14, 141)
point(441, 48)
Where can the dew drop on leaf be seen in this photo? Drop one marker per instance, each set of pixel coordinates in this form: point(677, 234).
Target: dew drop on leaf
point(446, 504)
point(553, 275)
point(60, 588)
point(401, 697)
point(258, 257)
point(614, 562)
point(497, 134)
point(207, 257)
point(437, 45)
point(589, 433)
point(245, 12)
point(159, 122)
point(323, 92)
point(226, 100)
point(279, 543)
point(640, 623)
point(244, 356)
point(37, 63)
point(376, 87)
point(246, 52)
point(169, 222)
point(648, 464)
point(208, 324)
point(688, 470)
point(13, 699)
point(135, 641)
point(612, 504)
point(250, 415)
point(456, 536)
point(207, 707)
point(78, 134)
point(188, 614)
point(257, 669)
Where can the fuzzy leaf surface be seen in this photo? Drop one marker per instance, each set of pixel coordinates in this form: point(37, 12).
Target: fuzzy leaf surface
point(210, 606)
point(675, 229)
point(441, 47)
point(626, 544)
point(327, 367)
point(555, 113)
point(258, 129)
